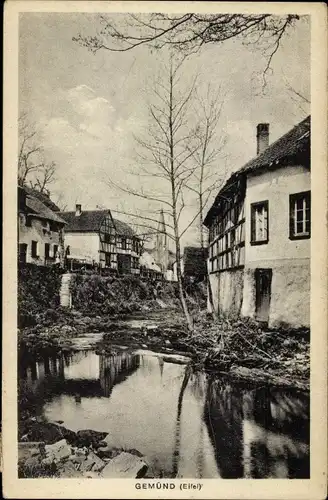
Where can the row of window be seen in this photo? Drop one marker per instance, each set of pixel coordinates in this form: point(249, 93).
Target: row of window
point(127, 244)
point(228, 250)
point(232, 216)
point(50, 251)
point(231, 259)
point(299, 218)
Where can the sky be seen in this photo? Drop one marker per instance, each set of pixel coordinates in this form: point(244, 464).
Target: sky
point(88, 107)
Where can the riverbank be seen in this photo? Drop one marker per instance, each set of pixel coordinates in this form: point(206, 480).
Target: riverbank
point(242, 349)
point(50, 450)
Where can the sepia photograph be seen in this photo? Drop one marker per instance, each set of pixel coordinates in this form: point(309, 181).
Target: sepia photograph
point(163, 225)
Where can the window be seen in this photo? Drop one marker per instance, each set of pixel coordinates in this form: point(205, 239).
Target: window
point(55, 250)
point(259, 223)
point(34, 249)
point(47, 250)
point(22, 252)
point(123, 243)
point(107, 259)
point(300, 215)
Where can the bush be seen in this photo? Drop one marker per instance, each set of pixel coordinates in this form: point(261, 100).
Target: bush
point(38, 292)
point(109, 295)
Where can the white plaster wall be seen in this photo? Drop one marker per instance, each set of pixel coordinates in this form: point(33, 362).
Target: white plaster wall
point(276, 187)
point(288, 259)
point(37, 233)
point(84, 244)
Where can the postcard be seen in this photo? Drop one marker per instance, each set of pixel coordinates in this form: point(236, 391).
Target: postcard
point(165, 250)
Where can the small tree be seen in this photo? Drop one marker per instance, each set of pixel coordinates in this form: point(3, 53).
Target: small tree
point(166, 158)
point(207, 149)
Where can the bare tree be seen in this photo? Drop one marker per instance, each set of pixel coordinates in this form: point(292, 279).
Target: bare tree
point(302, 101)
point(29, 153)
point(187, 32)
point(207, 147)
point(32, 168)
point(45, 176)
point(166, 158)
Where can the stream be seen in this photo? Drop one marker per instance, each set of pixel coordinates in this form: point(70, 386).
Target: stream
point(186, 423)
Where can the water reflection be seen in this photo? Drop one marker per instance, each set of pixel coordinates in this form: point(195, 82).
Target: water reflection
point(258, 433)
point(186, 423)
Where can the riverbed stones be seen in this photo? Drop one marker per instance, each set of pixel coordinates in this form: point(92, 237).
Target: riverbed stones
point(88, 437)
point(125, 465)
point(92, 462)
point(58, 451)
point(29, 449)
point(68, 470)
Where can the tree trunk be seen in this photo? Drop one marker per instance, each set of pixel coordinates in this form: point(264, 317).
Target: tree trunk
point(176, 452)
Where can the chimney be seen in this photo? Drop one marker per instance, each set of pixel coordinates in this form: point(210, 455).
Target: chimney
point(262, 136)
point(78, 210)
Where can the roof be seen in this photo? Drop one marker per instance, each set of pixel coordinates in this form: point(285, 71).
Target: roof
point(293, 146)
point(194, 261)
point(43, 197)
point(89, 221)
point(123, 229)
point(37, 208)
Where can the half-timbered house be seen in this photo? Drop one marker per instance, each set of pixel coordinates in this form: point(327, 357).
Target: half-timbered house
point(93, 237)
point(90, 238)
point(259, 231)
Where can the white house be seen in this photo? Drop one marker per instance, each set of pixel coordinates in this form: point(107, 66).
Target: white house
point(94, 237)
point(40, 228)
point(259, 233)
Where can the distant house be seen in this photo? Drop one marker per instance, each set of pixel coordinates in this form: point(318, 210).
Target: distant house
point(94, 237)
point(259, 233)
point(40, 229)
point(193, 264)
point(148, 267)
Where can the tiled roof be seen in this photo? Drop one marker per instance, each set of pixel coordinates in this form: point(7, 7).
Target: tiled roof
point(88, 221)
point(296, 142)
point(36, 207)
point(91, 220)
point(293, 146)
point(123, 229)
point(42, 197)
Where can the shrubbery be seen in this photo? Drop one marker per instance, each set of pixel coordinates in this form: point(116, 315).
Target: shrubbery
point(38, 291)
point(110, 295)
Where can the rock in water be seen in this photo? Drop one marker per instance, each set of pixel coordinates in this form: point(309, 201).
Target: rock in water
point(58, 451)
point(125, 465)
point(90, 438)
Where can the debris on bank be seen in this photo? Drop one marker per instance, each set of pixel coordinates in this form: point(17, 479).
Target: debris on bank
point(242, 348)
point(62, 453)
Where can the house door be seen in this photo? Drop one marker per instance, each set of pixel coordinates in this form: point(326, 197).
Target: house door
point(124, 263)
point(263, 279)
point(22, 252)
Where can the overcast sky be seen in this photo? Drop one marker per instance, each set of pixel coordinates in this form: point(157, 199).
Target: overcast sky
point(88, 106)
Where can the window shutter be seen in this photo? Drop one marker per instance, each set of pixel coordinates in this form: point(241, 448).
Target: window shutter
point(253, 238)
point(291, 215)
